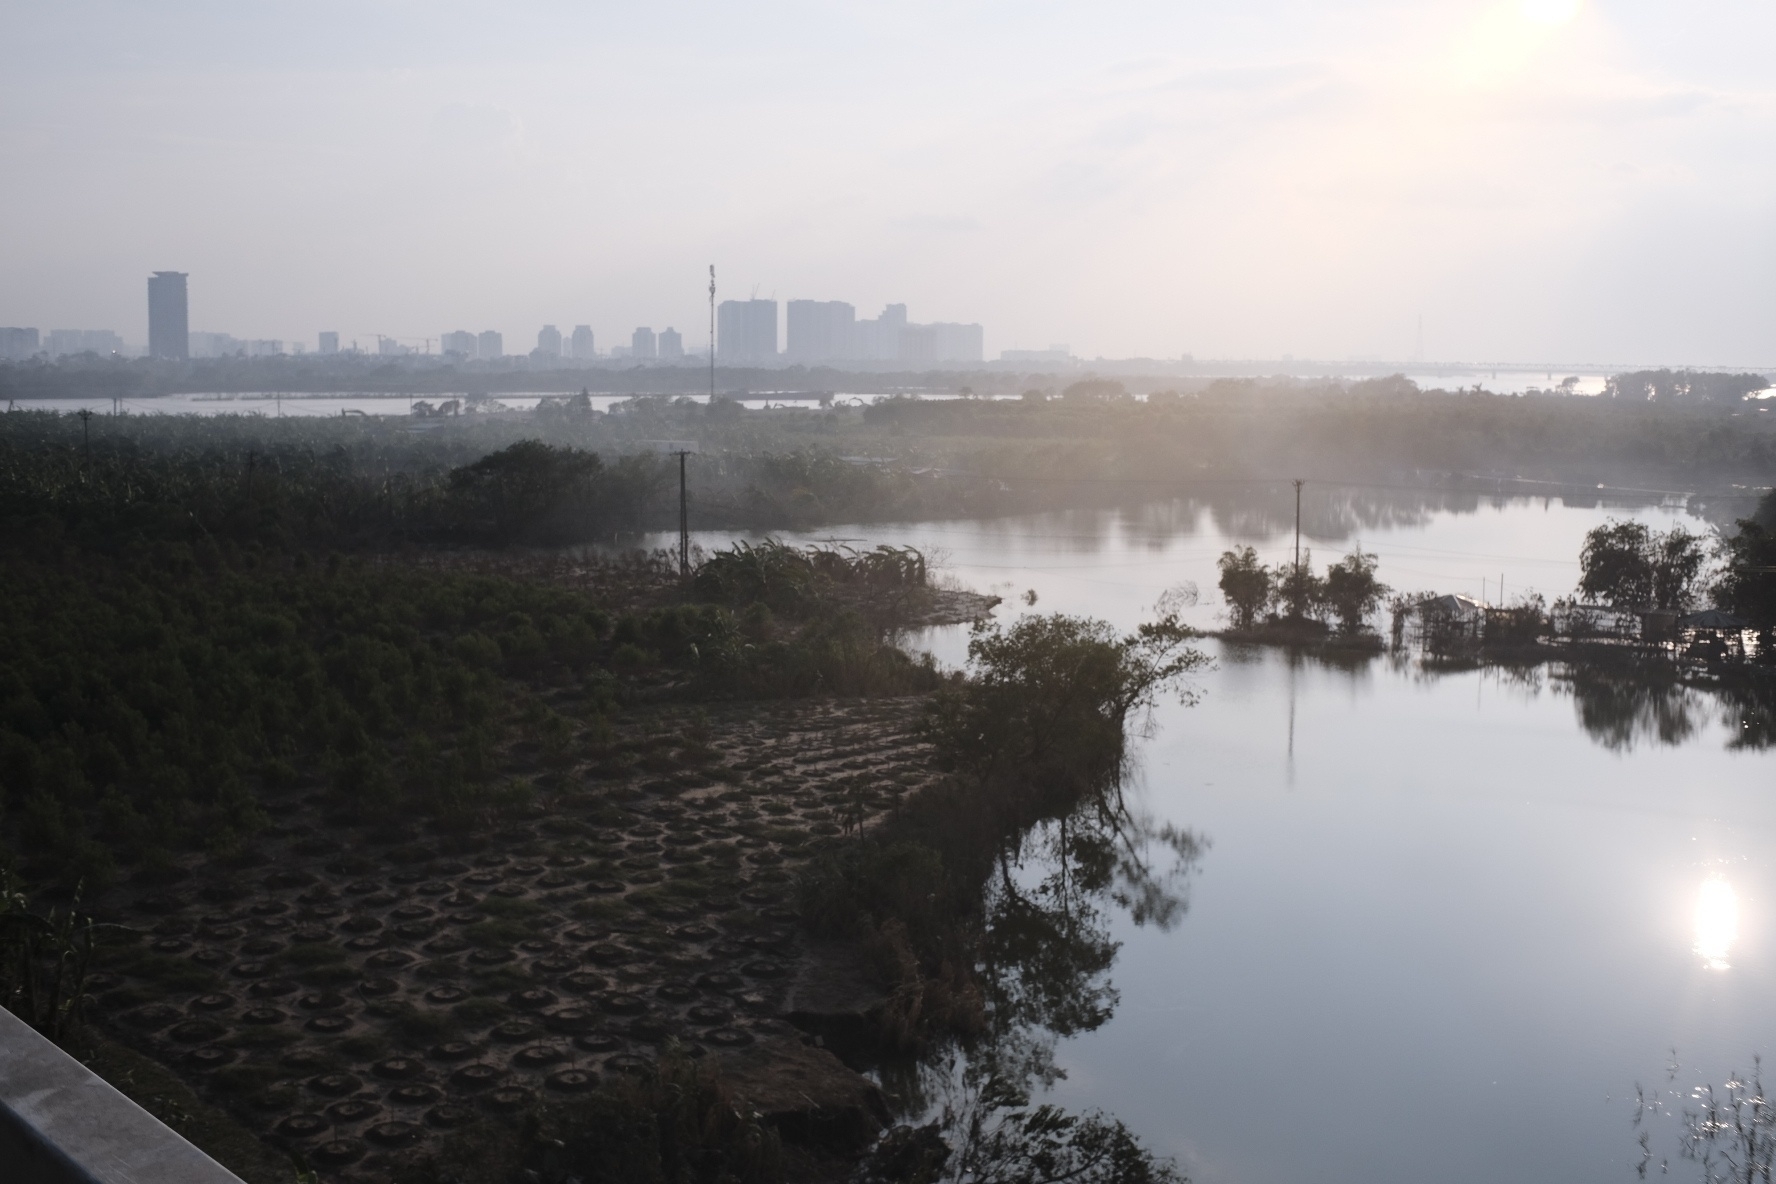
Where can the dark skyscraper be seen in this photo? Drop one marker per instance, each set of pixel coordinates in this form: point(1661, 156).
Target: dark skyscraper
point(169, 328)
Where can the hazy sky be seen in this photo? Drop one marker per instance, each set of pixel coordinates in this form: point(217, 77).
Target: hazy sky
point(1537, 178)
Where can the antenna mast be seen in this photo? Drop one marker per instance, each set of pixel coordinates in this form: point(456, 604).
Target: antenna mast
point(712, 332)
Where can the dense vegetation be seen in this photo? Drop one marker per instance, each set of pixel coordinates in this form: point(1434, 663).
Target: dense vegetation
point(191, 629)
point(199, 650)
point(993, 972)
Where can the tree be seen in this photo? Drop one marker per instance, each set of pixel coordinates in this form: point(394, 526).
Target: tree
point(1245, 585)
point(528, 491)
point(1045, 709)
point(1352, 591)
point(1615, 566)
point(1677, 559)
point(1628, 565)
point(1301, 593)
point(1748, 586)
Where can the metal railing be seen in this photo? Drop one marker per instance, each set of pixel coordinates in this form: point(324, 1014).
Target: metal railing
point(60, 1123)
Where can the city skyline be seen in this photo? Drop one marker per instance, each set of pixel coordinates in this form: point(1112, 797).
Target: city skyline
point(823, 331)
point(1246, 182)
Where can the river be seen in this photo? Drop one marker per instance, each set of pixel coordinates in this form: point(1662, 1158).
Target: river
point(1441, 924)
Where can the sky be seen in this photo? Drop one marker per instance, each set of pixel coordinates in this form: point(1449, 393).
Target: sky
point(1534, 180)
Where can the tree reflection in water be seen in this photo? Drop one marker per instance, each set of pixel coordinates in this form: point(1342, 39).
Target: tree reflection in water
point(1620, 707)
point(1046, 952)
point(1622, 710)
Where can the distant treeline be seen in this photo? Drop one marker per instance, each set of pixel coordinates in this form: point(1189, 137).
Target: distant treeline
point(93, 376)
point(1384, 428)
point(901, 459)
point(1675, 386)
point(367, 483)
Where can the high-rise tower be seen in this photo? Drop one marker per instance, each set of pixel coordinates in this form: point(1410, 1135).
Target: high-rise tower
point(169, 326)
point(747, 330)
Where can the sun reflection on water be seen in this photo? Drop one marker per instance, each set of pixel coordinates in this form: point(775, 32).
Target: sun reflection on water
point(1717, 923)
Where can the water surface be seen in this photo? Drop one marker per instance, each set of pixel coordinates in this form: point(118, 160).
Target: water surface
point(1444, 922)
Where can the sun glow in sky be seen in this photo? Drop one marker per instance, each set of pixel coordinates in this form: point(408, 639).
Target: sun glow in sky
point(1550, 12)
point(1534, 178)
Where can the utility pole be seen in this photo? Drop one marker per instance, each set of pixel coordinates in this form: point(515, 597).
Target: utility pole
point(712, 332)
point(684, 522)
point(86, 415)
point(1298, 484)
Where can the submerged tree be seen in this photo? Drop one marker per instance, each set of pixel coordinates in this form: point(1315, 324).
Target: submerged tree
point(1615, 566)
point(1678, 558)
point(1299, 592)
point(1245, 585)
point(1747, 586)
point(1628, 565)
point(1352, 591)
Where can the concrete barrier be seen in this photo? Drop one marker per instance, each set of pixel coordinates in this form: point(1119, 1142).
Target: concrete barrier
point(62, 1124)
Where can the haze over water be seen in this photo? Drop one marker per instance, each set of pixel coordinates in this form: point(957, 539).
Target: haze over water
point(1442, 928)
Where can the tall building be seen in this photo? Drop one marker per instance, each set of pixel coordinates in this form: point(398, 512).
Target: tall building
point(215, 345)
point(329, 342)
point(821, 330)
point(642, 344)
point(548, 342)
point(879, 340)
point(672, 346)
point(582, 344)
point(459, 342)
point(746, 331)
point(17, 343)
point(61, 342)
point(941, 342)
point(490, 345)
point(169, 329)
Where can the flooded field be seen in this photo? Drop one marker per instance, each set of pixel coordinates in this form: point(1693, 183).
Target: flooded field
point(1437, 925)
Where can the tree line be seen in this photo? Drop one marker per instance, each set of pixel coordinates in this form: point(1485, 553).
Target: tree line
point(1624, 565)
